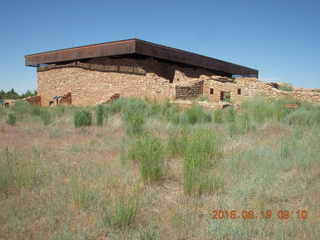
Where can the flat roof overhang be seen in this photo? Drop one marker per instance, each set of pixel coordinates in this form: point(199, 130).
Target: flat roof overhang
point(140, 47)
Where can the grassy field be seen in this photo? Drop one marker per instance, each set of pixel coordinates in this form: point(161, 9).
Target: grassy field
point(135, 169)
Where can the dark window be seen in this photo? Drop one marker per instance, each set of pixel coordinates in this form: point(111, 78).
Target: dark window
point(239, 91)
point(225, 96)
point(211, 90)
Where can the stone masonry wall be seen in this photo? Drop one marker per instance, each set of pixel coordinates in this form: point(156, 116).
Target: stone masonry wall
point(193, 90)
point(242, 89)
point(90, 83)
point(94, 81)
point(91, 87)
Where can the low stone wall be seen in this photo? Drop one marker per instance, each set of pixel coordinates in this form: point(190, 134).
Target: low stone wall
point(36, 100)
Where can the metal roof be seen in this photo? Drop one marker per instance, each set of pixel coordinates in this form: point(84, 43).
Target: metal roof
point(138, 47)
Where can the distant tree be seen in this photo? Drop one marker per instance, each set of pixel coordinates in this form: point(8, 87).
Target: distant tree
point(12, 94)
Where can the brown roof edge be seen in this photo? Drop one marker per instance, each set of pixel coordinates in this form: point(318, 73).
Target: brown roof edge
point(137, 46)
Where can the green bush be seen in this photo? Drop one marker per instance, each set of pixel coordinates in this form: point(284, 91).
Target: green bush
point(11, 120)
point(285, 87)
point(82, 118)
point(149, 151)
point(218, 118)
point(100, 115)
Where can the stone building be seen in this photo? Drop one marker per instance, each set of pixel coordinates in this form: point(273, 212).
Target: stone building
point(90, 75)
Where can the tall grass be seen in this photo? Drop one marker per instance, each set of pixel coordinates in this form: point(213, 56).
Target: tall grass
point(203, 150)
point(149, 151)
point(11, 119)
point(82, 118)
point(195, 114)
point(16, 171)
point(100, 115)
point(177, 143)
point(133, 117)
point(45, 116)
point(218, 117)
point(122, 213)
point(83, 196)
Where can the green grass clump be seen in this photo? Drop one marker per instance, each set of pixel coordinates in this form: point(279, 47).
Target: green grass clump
point(82, 118)
point(133, 117)
point(203, 150)
point(176, 144)
point(203, 98)
point(21, 107)
point(100, 115)
point(45, 116)
point(121, 215)
point(35, 110)
point(11, 120)
point(218, 117)
point(195, 114)
point(149, 151)
point(83, 196)
point(264, 109)
point(303, 117)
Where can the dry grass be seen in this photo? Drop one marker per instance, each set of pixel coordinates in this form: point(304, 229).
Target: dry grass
point(62, 182)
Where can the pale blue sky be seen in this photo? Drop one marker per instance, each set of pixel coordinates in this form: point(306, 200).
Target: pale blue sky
point(279, 38)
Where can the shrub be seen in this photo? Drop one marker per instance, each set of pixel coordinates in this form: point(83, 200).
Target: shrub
point(149, 151)
point(82, 118)
point(285, 87)
point(203, 98)
point(100, 115)
point(11, 120)
point(123, 214)
point(218, 118)
point(45, 116)
point(203, 148)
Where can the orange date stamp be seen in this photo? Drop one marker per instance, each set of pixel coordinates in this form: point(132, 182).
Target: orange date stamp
point(263, 214)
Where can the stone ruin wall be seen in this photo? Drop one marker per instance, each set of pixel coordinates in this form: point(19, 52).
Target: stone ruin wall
point(192, 90)
point(93, 82)
point(250, 87)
